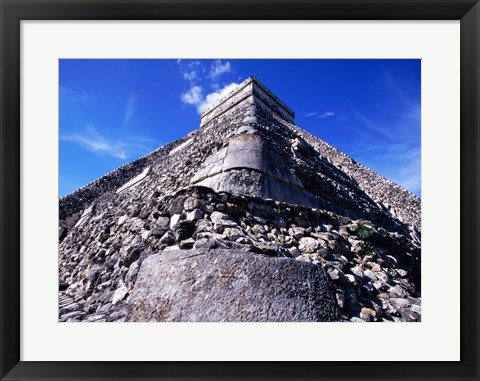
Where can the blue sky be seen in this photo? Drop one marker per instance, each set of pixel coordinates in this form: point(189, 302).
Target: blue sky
point(114, 111)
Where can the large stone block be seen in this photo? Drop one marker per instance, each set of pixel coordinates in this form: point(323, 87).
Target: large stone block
point(230, 286)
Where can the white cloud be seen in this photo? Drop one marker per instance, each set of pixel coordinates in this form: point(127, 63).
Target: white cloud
point(190, 70)
point(218, 68)
point(92, 141)
point(214, 97)
point(130, 109)
point(195, 97)
point(327, 114)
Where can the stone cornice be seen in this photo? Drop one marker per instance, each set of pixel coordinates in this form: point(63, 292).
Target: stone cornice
point(250, 88)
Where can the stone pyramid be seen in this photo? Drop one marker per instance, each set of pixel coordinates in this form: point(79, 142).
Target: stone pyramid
point(247, 218)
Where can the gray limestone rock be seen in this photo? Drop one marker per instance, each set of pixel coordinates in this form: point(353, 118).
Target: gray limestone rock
point(230, 285)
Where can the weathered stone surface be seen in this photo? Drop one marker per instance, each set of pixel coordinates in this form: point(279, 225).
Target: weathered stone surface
point(248, 166)
point(135, 181)
point(247, 89)
point(229, 285)
point(86, 215)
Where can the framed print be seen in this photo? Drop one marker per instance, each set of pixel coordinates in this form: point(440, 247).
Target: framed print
point(245, 220)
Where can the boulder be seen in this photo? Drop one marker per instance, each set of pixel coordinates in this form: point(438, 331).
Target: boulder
point(230, 286)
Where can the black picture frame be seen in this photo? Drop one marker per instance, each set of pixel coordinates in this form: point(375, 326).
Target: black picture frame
point(13, 11)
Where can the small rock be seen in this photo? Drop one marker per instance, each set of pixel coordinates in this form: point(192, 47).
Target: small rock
point(369, 274)
point(303, 258)
point(133, 253)
point(167, 238)
point(400, 302)
point(351, 279)
point(119, 294)
point(171, 248)
point(262, 248)
point(94, 272)
point(163, 222)
point(260, 220)
point(416, 308)
point(294, 251)
point(174, 220)
point(393, 261)
point(132, 273)
point(232, 233)
point(206, 243)
point(357, 270)
point(135, 212)
point(192, 203)
point(184, 230)
point(357, 246)
point(340, 258)
point(380, 286)
point(296, 232)
point(340, 299)
point(158, 231)
point(221, 225)
point(220, 207)
point(336, 275)
point(145, 235)
point(367, 314)
point(203, 225)
point(258, 230)
point(376, 267)
point(397, 291)
point(218, 216)
point(144, 214)
point(308, 245)
point(194, 215)
point(122, 220)
point(327, 228)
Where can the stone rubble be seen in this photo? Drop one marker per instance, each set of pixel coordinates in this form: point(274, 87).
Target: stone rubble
point(376, 273)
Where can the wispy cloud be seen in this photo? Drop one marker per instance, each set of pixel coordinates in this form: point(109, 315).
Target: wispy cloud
point(327, 114)
point(195, 97)
point(93, 141)
point(73, 94)
point(406, 170)
point(191, 70)
point(307, 114)
point(367, 122)
point(397, 87)
point(218, 68)
point(400, 163)
point(323, 115)
point(129, 109)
